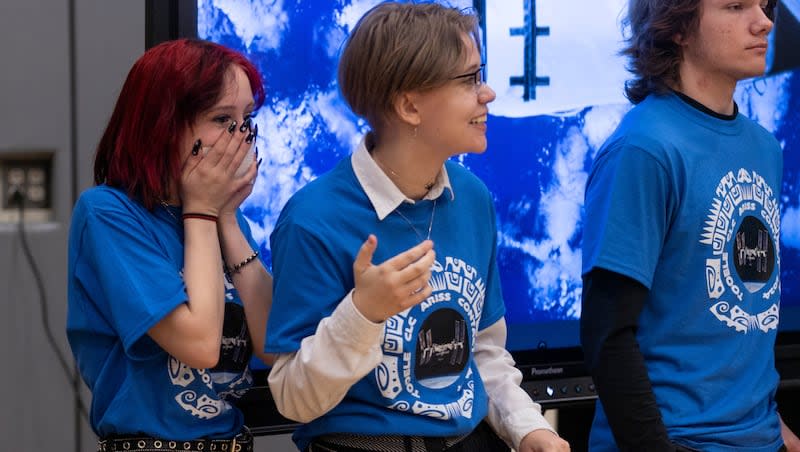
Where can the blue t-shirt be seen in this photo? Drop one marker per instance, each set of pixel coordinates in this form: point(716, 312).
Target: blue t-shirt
point(124, 275)
point(687, 204)
point(427, 382)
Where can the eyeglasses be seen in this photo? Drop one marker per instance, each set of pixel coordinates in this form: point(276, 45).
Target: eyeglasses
point(478, 77)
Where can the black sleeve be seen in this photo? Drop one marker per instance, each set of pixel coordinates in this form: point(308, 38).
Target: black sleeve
point(611, 304)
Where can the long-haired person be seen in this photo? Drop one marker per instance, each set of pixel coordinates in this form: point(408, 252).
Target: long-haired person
point(167, 294)
point(388, 319)
point(681, 242)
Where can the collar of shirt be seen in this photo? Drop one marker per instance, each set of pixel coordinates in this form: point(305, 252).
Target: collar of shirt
point(381, 191)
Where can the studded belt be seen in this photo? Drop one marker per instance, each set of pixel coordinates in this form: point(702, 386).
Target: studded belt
point(243, 442)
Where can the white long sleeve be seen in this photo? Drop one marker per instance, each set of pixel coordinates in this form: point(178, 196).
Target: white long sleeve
point(311, 381)
point(512, 413)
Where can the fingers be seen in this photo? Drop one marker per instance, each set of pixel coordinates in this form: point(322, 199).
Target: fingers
point(364, 257)
point(227, 147)
point(248, 158)
point(236, 149)
point(405, 268)
point(409, 256)
point(191, 163)
point(216, 151)
point(418, 289)
point(411, 284)
point(248, 169)
point(421, 268)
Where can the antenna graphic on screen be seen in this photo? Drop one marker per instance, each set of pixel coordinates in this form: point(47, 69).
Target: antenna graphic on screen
point(530, 32)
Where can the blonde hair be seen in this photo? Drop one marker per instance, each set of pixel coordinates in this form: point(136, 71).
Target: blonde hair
point(400, 47)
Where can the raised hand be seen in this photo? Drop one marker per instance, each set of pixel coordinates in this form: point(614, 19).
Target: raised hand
point(248, 170)
point(395, 285)
point(208, 179)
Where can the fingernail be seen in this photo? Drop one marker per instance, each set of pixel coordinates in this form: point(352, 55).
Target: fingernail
point(232, 127)
point(249, 138)
point(245, 125)
point(196, 147)
point(255, 131)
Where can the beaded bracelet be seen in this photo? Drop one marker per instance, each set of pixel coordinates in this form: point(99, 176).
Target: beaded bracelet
point(240, 265)
point(199, 216)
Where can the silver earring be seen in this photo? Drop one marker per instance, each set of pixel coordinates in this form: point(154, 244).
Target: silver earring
point(415, 132)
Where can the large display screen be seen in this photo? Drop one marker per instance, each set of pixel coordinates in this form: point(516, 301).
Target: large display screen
point(559, 84)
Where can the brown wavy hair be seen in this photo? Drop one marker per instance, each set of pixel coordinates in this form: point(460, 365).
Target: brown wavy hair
point(650, 30)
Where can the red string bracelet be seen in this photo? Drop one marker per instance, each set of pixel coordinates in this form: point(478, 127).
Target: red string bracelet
point(199, 216)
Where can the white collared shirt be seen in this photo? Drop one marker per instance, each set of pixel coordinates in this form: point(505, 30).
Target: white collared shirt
point(381, 191)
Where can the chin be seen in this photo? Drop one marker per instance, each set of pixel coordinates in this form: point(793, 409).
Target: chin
point(475, 146)
point(476, 149)
point(756, 70)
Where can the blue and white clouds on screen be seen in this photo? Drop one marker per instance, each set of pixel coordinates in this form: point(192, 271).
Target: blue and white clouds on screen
point(539, 150)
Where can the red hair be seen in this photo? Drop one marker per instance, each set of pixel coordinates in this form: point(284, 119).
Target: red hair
point(166, 90)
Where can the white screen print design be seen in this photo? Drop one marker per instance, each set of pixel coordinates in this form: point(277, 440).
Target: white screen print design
point(413, 343)
point(209, 405)
point(201, 406)
point(742, 230)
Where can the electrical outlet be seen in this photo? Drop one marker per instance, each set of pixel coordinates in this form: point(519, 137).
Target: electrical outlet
point(25, 184)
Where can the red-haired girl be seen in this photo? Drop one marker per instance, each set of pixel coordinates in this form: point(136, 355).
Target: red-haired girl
point(167, 294)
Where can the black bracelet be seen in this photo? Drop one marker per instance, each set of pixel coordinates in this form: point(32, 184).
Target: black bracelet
point(240, 265)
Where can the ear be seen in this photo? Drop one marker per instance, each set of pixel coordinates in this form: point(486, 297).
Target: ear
point(679, 39)
point(405, 107)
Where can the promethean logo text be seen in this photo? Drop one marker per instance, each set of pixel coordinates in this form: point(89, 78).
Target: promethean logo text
point(548, 371)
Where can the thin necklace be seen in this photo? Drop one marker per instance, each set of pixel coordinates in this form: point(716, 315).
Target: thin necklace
point(430, 223)
point(427, 186)
point(168, 208)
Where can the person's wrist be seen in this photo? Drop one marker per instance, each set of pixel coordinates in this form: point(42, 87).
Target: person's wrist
point(201, 209)
point(199, 216)
point(227, 218)
point(366, 313)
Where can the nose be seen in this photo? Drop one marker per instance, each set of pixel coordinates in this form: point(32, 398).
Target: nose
point(486, 94)
point(763, 25)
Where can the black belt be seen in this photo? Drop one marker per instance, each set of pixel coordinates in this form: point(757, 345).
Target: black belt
point(383, 443)
point(482, 439)
point(243, 442)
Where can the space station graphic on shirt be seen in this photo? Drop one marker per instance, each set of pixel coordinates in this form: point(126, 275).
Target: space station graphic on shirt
point(427, 348)
point(742, 230)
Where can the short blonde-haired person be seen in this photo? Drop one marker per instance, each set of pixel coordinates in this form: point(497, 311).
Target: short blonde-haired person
point(388, 319)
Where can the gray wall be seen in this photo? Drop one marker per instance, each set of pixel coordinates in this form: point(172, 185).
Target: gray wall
point(38, 410)
point(35, 114)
